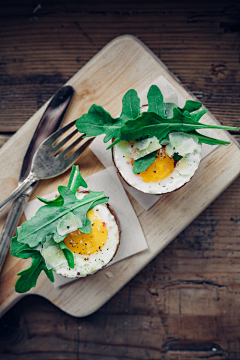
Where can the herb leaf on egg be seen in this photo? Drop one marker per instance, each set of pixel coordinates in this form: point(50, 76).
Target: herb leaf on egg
point(160, 120)
point(144, 162)
point(177, 157)
point(68, 254)
point(45, 221)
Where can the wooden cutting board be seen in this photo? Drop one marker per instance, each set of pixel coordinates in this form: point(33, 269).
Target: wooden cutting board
point(123, 64)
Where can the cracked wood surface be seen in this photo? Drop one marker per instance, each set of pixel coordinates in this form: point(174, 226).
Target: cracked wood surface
point(185, 303)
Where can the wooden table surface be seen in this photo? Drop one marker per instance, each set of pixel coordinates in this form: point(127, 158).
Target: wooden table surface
point(185, 303)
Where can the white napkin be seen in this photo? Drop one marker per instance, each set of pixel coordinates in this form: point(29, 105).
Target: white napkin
point(170, 94)
point(132, 238)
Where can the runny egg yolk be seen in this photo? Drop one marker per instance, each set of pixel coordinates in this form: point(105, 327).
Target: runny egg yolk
point(161, 168)
point(86, 244)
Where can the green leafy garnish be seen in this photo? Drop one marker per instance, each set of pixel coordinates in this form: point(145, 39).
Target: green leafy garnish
point(28, 278)
point(130, 106)
point(33, 234)
point(155, 101)
point(132, 124)
point(44, 223)
point(22, 251)
point(144, 162)
point(160, 120)
point(177, 157)
point(75, 180)
point(68, 254)
point(190, 106)
point(207, 140)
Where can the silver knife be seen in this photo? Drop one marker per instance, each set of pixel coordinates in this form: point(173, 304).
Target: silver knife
point(49, 123)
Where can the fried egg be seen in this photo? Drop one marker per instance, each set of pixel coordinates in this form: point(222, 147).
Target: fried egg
point(91, 251)
point(165, 174)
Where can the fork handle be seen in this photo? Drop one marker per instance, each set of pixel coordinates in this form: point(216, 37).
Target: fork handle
point(19, 190)
point(10, 225)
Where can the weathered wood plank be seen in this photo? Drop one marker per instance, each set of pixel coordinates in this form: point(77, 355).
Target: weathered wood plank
point(192, 288)
point(201, 52)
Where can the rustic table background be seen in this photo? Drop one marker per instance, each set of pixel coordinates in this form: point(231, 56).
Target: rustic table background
point(185, 303)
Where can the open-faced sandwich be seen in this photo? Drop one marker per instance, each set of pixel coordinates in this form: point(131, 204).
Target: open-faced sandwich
point(76, 234)
point(156, 148)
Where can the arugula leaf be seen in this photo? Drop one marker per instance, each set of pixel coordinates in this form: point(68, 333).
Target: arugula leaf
point(196, 115)
point(74, 182)
point(113, 143)
point(44, 223)
point(160, 120)
point(130, 105)
point(48, 272)
point(58, 201)
point(191, 106)
point(19, 250)
point(28, 278)
point(155, 122)
point(177, 157)
point(169, 110)
point(98, 121)
point(152, 124)
point(155, 101)
point(208, 140)
point(144, 162)
point(68, 254)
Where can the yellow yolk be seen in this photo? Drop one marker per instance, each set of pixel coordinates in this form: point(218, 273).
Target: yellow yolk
point(161, 168)
point(87, 244)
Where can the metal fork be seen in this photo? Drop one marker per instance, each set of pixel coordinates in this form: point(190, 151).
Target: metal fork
point(47, 163)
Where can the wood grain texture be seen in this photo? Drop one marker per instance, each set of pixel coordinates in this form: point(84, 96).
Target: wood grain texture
point(184, 304)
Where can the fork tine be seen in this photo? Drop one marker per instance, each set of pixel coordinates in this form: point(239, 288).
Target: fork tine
point(70, 147)
point(58, 133)
point(65, 140)
point(79, 151)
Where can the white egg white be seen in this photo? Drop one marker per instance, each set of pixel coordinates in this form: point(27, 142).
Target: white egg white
point(181, 143)
point(84, 264)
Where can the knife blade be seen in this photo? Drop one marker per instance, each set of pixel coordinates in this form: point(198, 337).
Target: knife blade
point(49, 123)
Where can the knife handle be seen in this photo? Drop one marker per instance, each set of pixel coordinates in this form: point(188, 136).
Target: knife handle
point(10, 225)
point(19, 190)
